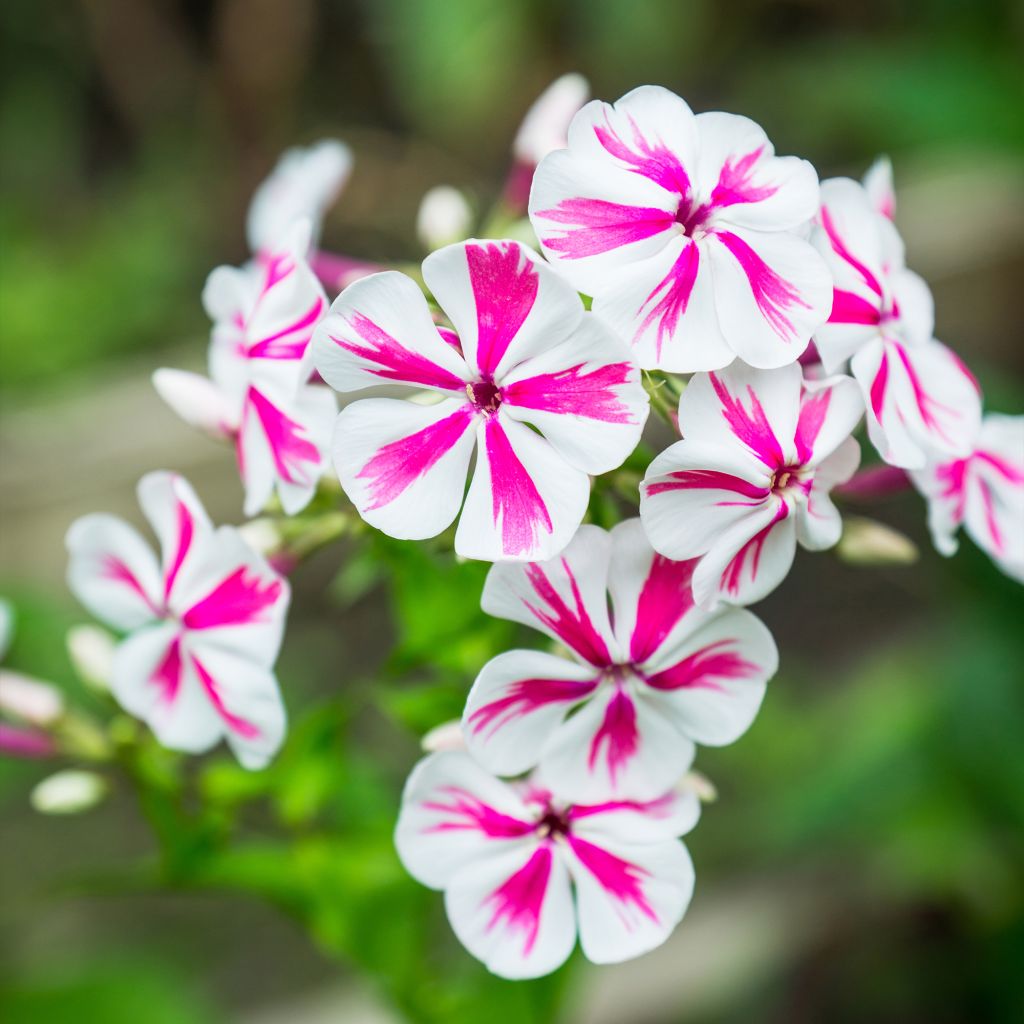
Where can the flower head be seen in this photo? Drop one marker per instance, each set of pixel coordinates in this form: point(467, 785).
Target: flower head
point(511, 856)
point(543, 390)
point(686, 230)
point(920, 397)
point(204, 625)
point(760, 451)
point(983, 492)
point(257, 392)
point(648, 678)
point(305, 182)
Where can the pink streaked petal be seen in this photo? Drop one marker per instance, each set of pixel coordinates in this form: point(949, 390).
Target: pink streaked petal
point(851, 308)
point(290, 341)
point(668, 816)
point(749, 422)
point(241, 599)
point(830, 409)
point(577, 391)
point(179, 521)
point(590, 227)
point(704, 668)
point(296, 458)
point(667, 303)
point(244, 728)
point(623, 881)
point(842, 250)
point(572, 625)
point(665, 599)
point(524, 696)
point(617, 740)
point(457, 810)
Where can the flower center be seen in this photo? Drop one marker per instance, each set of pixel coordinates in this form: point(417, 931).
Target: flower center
point(788, 478)
point(553, 824)
point(485, 395)
point(690, 216)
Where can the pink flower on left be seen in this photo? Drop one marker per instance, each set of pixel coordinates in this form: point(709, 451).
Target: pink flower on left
point(204, 624)
point(543, 390)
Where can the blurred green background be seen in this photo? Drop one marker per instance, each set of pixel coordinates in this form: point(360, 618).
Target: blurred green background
point(866, 858)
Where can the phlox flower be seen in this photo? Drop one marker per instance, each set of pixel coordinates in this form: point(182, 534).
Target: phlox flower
point(523, 870)
point(983, 492)
point(302, 186)
point(544, 391)
point(257, 392)
point(651, 674)
point(686, 230)
point(204, 625)
point(761, 450)
point(921, 400)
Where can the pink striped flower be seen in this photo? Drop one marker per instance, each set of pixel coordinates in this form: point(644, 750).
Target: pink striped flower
point(303, 184)
point(543, 391)
point(648, 679)
point(687, 231)
point(983, 492)
point(921, 400)
point(511, 857)
point(257, 393)
point(751, 477)
point(204, 626)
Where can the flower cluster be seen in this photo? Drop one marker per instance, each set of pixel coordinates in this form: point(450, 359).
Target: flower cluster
point(670, 244)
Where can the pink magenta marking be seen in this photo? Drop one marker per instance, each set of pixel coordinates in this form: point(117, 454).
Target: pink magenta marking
point(504, 284)
point(294, 456)
point(515, 500)
point(735, 182)
point(275, 346)
point(112, 568)
point(243, 727)
point(927, 406)
point(618, 732)
point(597, 226)
point(524, 696)
point(238, 600)
point(699, 670)
point(394, 361)
point(771, 292)
point(186, 529)
point(276, 266)
point(710, 479)
point(732, 575)
point(752, 428)
point(851, 308)
point(665, 598)
point(399, 464)
point(469, 813)
point(167, 674)
point(1005, 469)
point(450, 337)
point(572, 626)
point(518, 902)
point(675, 289)
point(652, 160)
point(813, 410)
point(839, 246)
point(20, 742)
point(619, 878)
point(660, 808)
point(991, 522)
point(879, 385)
point(575, 393)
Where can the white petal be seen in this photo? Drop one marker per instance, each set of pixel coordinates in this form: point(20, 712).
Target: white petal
point(198, 401)
point(743, 180)
point(583, 395)
point(505, 303)
point(380, 331)
point(517, 701)
point(830, 409)
point(629, 897)
point(525, 501)
point(404, 465)
point(564, 597)
point(112, 571)
point(772, 291)
point(546, 124)
point(444, 217)
point(818, 524)
point(455, 813)
point(879, 186)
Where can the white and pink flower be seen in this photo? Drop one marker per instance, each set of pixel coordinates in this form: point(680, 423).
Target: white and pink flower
point(687, 231)
point(204, 626)
point(651, 673)
point(983, 492)
point(258, 393)
point(524, 871)
point(543, 391)
point(921, 400)
point(761, 450)
point(303, 184)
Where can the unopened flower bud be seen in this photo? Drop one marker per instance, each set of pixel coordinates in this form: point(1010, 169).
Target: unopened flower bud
point(262, 535)
point(68, 792)
point(91, 650)
point(868, 542)
point(447, 736)
point(444, 217)
point(30, 700)
point(700, 785)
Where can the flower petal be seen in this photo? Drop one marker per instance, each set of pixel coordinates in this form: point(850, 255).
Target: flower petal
point(404, 465)
point(517, 701)
point(198, 401)
point(583, 395)
point(380, 331)
point(830, 409)
point(563, 597)
point(818, 524)
point(525, 501)
point(636, 821)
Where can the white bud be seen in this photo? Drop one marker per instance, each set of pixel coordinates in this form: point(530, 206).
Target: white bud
point(29, 699)
point(261, 535)
point(6, 626)
point(91, 650)
point(444, 737)
point(868, 542)
point(700, 785)
point(68, 792)
point(546, 123)
point(444, 217)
